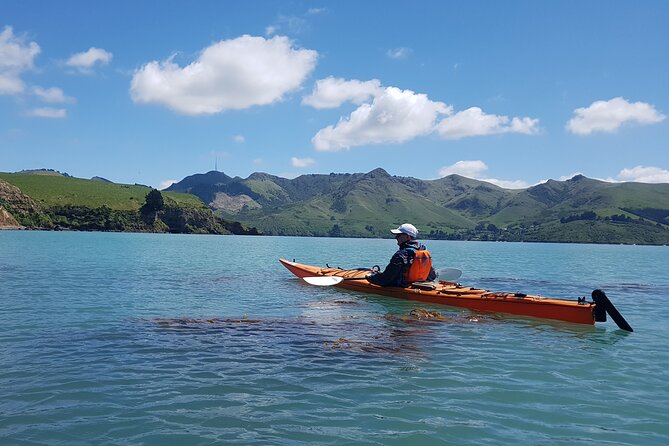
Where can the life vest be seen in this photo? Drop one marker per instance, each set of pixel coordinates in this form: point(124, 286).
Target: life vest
point(420, 267)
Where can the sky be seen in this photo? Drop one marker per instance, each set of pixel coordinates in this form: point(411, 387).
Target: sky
point(511, 92)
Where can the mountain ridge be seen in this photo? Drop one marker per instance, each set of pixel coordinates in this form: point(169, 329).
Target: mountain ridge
point(366, 204)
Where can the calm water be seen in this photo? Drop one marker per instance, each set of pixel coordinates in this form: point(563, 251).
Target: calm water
point(149, 339)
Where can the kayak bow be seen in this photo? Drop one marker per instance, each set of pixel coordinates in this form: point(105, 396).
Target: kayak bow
point(457, 295)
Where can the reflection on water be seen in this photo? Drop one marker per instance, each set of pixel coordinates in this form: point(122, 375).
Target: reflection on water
point(365, 334)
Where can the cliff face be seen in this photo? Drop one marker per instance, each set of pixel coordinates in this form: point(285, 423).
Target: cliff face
point(7, 220)
point(14, 204)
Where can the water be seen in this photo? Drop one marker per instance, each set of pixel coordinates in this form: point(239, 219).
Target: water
point(149, 339)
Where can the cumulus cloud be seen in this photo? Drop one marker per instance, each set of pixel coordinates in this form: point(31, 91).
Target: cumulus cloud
point(48, 112)
point(51, 95)
point(302, 162)
point(474, 122)
point(642, 174)
point(394, 116)
point(230, 74)
point(399, 53)
point(476, 170)
point(239, 139)
point(609, 116)
point(332, 92)
point(469, 169)
point(85, 61)
point(16, 56)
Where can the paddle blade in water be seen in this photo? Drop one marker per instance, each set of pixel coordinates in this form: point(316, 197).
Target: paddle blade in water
point(323, 280)
point(449, 274)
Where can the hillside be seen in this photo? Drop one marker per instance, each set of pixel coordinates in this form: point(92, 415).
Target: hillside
point(454, 207)
point(46, 199)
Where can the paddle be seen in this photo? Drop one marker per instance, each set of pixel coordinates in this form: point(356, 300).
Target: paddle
point(328, 280)
point(447, 274)
point(604, 304)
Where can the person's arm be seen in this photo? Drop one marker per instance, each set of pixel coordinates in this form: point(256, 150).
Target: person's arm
point(392, 275)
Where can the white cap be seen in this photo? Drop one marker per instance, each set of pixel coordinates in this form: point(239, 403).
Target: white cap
point(406, 228)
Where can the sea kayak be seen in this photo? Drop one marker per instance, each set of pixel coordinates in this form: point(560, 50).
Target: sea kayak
point(454, 294)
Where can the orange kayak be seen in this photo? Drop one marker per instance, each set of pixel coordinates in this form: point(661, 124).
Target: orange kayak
point(457, 295)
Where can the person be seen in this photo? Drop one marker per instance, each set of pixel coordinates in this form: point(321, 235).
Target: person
point(411, 263)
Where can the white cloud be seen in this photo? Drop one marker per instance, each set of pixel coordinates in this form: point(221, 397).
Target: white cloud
point(240, 139)
point(302, 162)
point(230, 74)
point(258, 161)
point(476, 170)
point(470, 169)
point(51, 95)
point(641, 174)
point(394, 116)
point(167, 183)
point(507, 184)
point(16, 56)
point(48, 112)
point(399, 53)
point(85, 61)
point(332, 92)
point(608, 116)
point(474, 122)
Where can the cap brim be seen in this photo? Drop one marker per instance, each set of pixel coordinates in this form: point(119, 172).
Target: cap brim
point(396, 231)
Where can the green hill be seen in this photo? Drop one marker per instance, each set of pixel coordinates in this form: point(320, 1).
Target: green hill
point(453, 207)
point(56, 190)
point(48, 200)
point(345, 205)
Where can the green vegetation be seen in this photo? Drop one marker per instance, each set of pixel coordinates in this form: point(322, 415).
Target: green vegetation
point(367, 204)
point(56, 190)
point(579, 210)
point(48, 200)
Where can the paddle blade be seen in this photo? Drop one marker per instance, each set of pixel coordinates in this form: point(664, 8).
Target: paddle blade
point(323, 280)
point(449, 274)
point(600, 298)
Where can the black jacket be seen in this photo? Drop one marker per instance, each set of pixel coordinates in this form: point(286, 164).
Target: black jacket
point(400, 262)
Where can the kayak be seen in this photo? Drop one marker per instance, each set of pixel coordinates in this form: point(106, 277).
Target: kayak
point(454, 294)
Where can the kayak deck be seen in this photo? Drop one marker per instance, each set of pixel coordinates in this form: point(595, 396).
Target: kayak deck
point(457, 295)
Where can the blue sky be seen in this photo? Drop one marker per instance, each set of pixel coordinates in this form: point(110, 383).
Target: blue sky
point(512, 92)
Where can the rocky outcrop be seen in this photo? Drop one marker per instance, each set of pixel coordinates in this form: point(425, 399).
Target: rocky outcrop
point(7, 220)
point(189, 220)
point(14, 205)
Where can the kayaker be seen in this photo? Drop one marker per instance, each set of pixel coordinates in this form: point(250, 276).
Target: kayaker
point(411, 263)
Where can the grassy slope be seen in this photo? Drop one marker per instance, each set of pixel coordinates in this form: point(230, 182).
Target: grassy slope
point(53, 190)
point(359, 209)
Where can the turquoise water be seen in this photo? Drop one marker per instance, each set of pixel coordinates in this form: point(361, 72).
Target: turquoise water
point(150, 339)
